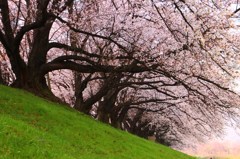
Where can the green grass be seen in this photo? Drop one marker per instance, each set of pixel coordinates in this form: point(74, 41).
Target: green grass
point(31, 127)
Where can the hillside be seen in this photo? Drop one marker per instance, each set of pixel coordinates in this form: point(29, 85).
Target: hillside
point(31, 127)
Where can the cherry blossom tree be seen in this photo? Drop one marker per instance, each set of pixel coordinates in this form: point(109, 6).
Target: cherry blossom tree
point(147, 66)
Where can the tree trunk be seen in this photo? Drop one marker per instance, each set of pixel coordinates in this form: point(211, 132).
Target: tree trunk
point(106, 107)
point(36, 80)
point(29, 76)
point(1, 79)
point(81, 106)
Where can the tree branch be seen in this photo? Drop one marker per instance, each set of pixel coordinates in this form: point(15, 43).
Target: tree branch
point(132, 68)
point(90, 34)
point(6, 20)
point(71, 48)
point(75, 58)
point(4, 42)
point(185, 19)
point(44, 17)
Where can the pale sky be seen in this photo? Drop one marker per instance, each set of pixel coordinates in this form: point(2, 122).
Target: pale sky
point(232, 134)
point(228, 146)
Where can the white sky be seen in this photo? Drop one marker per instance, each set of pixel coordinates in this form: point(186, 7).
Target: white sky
point(232, 135)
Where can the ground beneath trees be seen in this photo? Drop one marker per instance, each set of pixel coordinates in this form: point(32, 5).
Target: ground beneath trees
point(32, 127)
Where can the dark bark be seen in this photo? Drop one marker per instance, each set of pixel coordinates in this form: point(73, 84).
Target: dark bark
point(1, 79)
point(86, 106)
point(80, 85)
point(38, 56)
point(7, 39)
point(106, 107)
point(119, 115)
point(27, 76)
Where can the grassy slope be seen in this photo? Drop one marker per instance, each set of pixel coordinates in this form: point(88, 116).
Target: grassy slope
point(31, 127)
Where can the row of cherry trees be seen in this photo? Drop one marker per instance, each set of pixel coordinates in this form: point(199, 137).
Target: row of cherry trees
point(151, 67)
